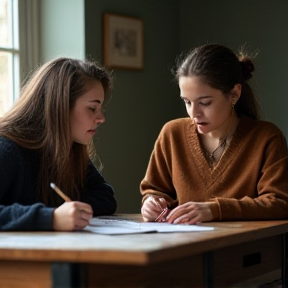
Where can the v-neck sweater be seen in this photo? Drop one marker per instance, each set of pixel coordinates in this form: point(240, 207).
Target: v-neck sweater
point(249, 182)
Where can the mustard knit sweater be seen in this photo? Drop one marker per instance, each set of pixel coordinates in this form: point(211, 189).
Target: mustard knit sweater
point(250, 182)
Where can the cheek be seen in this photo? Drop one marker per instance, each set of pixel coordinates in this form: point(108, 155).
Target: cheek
point(222, 112)
point(189, 111)
point(80, 117)
point(77, 121)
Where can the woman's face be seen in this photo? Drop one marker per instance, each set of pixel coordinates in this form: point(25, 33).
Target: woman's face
point(87, 114)
point(208, 107)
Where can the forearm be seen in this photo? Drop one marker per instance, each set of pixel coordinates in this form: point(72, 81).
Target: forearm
point(252, 209)
point(17, 217)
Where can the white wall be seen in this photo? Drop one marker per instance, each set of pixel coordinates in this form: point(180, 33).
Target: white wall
point(62, 26)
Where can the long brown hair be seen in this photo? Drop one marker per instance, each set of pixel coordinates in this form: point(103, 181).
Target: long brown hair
point(40, 120)
point(221, 68)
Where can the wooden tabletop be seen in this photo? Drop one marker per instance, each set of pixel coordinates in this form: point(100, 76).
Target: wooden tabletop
point(138, 249)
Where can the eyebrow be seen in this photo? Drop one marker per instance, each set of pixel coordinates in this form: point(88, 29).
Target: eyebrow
point(97, 101)
point(199, 98)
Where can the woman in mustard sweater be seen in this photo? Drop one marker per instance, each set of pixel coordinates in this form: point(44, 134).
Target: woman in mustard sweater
point(222, 162)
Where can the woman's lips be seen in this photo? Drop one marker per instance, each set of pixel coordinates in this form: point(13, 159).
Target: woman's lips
point(92, 131)
point(201, 123)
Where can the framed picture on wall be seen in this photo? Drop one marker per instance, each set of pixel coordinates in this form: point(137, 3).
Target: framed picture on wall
point(123, 42)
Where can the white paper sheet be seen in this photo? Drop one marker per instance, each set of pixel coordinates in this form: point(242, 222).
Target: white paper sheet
point(116, 225)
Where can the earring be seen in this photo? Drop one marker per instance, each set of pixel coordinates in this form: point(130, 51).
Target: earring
point(233, 105)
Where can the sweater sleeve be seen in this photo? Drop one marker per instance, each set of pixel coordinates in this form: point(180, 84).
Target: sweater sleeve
point(13, 215)
point(271, 201)
point(98, 193)
point(17, 217)
point(158, 177)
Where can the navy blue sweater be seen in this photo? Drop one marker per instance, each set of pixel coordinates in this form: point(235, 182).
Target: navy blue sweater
point(22, 208)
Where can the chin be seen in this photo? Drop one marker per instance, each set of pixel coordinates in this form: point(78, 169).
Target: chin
point(82, 142)
point(202, 131)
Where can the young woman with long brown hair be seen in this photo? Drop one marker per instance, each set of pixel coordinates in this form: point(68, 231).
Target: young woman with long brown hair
point(47, 137)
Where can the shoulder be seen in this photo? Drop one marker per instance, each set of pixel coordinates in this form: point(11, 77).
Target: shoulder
point(10, 150)
point(176, 131)
point(10, 156)
point(260, 132)
point(269, 127)
point(8, 146)
point(177, 125)
point(261, 127)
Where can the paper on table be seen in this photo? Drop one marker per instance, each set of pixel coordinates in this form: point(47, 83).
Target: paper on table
point(113, 225)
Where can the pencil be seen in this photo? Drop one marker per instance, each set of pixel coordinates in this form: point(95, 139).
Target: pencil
point(59, 192)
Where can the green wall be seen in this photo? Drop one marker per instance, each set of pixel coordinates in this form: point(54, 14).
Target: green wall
point(260, 25)
point(142, 100)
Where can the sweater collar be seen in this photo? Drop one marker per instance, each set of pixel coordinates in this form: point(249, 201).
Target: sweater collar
point(211, 174)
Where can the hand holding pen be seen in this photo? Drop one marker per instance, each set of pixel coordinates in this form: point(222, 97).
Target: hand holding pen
point(72, 215)
point(155, 209)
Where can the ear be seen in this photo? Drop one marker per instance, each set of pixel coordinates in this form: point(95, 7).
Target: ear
point(236, 93)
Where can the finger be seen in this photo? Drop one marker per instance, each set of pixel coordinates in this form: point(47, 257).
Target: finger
point(81, 223)
point(152, 216)
point(77, 228)
point(176, 212)
point(84, 207)
point(161, 216)
point(148, 218)
point(190, 219)
point(84, 215)
point(175, 215)
point(152, 207)
point(163, 203)
point(195, 220)
point(181, 220)
point(148, 214)
point(156, 203)
point(181, 217)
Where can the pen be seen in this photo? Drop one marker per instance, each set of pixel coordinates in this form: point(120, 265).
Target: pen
point(164, 211)
point(59, 192)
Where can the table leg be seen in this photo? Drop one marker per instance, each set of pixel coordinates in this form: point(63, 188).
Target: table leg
point(208, 269)
point(68, 275)
point(285, 261)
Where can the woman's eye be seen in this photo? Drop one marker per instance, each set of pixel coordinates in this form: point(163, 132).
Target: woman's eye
point(187, 101)
point(93, 109)
point(205, 103)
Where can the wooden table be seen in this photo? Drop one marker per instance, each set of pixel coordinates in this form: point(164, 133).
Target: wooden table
point(233, 255)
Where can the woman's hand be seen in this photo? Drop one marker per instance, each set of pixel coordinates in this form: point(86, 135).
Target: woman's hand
point(154, 209)
point(190, 213)
point(72, 216)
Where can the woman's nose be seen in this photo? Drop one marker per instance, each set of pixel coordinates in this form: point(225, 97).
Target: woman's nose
point(100, 118)
point(194, 111)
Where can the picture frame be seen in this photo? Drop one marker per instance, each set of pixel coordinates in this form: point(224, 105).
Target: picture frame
point(123, 42)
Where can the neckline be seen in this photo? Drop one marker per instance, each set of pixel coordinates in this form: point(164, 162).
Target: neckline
point(199, 157)
point(212, 161)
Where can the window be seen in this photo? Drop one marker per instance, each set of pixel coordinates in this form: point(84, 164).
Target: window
point(19, 47)
point(9, 54)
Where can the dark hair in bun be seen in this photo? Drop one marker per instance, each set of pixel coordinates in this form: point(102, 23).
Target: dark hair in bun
point(222, 69)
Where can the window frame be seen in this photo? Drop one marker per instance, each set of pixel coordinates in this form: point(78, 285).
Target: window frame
point(25, 46)
point(28, 36)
